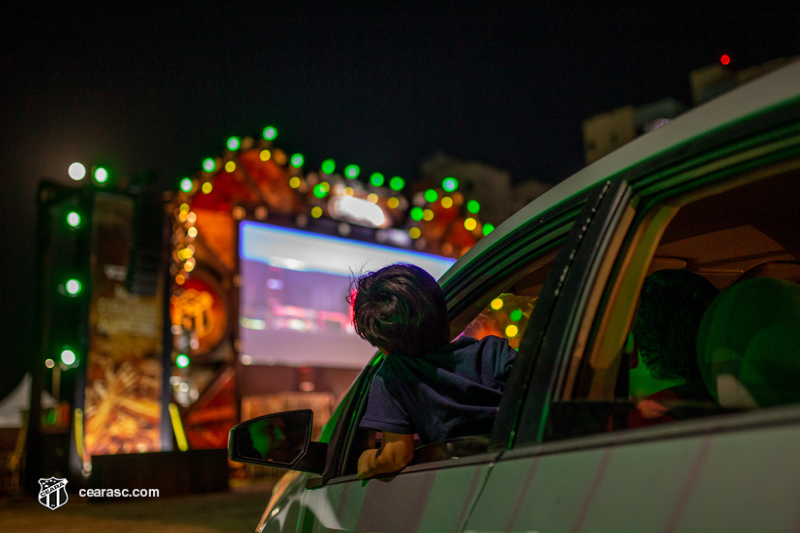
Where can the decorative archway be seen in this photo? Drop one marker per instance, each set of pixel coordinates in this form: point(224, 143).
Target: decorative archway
point(254, 179)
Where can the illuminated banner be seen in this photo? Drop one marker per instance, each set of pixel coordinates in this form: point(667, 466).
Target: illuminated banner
point(123, 381)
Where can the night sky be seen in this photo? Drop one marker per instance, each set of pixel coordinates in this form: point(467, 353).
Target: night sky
point(380, 84)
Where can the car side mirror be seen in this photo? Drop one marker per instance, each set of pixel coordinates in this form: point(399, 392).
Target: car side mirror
point(282, 440)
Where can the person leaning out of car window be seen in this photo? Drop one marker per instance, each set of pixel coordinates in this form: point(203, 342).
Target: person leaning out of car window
point(426, 385)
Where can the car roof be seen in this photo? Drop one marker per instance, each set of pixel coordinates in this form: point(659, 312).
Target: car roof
point(751, 99)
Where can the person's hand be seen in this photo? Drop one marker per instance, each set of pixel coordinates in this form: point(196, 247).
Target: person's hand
point(364, 471)
point(395, 453)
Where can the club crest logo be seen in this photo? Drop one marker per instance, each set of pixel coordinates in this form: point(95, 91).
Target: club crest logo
point(53, 492)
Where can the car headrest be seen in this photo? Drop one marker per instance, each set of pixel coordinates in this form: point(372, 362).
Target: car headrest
point(748, 346)
point(788, 270)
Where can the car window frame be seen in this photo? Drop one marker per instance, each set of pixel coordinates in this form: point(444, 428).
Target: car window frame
point(572, 270)
point(537, 236)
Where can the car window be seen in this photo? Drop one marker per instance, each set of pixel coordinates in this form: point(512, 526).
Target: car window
point(700, 316)
point(508, 310)
point(503, 310)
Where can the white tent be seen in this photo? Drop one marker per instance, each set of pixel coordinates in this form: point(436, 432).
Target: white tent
point(12, 406)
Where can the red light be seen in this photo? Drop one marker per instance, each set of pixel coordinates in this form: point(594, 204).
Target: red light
point(725, 59)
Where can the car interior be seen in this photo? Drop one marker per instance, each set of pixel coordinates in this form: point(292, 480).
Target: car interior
point(746, 342)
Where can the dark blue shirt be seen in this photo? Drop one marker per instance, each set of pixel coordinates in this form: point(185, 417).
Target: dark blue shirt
point(450, 393)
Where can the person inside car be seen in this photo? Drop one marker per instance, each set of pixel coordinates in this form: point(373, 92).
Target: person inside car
point(671, 307)
point(426, 384)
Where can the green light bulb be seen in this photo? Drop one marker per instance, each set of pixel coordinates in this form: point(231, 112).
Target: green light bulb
point(397, 183)
point(449, 184)
point(186, 184)
point(182, 361)
point(431, 195)
point(270, 133)
point(234, 143)
point(328, 166)
point(376, 179)
point(73, 219)
point(417, 213)
point(101, 175)
point(209, 165)
point(320, 191)
point(515, 315)
point(352, 171)
point(487, 229)
point(72, 286)
point(297, 160)
point(473, 206)
point(68, 356)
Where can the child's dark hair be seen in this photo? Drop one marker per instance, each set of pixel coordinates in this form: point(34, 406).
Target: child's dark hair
point(401, 309)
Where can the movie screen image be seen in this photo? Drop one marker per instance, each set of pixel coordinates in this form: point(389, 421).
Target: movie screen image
point(293, 308)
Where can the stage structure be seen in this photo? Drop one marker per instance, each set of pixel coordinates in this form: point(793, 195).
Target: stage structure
point(263, 249)
point(150, 357)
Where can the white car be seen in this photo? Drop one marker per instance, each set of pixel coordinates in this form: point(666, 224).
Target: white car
point(574, 448)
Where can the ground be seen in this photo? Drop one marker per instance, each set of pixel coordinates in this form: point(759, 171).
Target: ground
point(236, 510)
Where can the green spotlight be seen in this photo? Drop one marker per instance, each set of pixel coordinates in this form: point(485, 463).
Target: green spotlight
point(182, 361)
point(515, 315)
point(209, 165)
point(449, 184)
point(186, 185)
point(397, 183)
point(487, 229)
point(234, 143)
point(376, 179)
point(320, 190)
point(100, 175)
point(431, 195)
point(297, 160)
point(328, 166)
point(473, 206)
point(270, 133)
point(73, 219)
point(352, 171)
point(416, 213)
point(68, 356)
point(73, 287)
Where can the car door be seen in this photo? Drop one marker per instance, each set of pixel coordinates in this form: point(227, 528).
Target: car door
point(500, 504)
point(576, 461)
point(437, 495)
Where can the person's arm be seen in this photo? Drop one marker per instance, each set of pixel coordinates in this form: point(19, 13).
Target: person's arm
point(395, 453)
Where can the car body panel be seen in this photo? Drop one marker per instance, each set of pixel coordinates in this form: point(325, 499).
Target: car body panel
point(707, 482)
point(425, 500)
